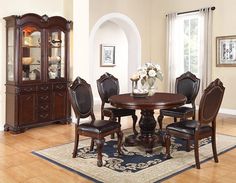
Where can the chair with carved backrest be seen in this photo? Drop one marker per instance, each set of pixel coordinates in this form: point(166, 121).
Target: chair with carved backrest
point(82, 102)
point(188, 85)
point(206, 124)
point(108, 86)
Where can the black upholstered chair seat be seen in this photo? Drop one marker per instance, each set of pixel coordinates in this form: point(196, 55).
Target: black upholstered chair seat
point(188, 127)
point(99, 126)
point(118, 112)
point(179, 112)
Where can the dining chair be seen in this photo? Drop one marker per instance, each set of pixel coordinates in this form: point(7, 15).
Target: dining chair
point(204, 127)
point(188, 85)
point(81, 99)
point(107, 86)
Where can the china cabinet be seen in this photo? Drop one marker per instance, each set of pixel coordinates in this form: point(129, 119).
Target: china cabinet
point(37, 71)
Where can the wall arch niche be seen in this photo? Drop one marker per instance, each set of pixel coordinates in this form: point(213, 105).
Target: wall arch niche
point(120, 30)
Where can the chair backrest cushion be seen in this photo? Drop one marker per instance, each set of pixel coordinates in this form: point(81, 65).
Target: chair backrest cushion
point(107, 86)
point(211, 101)
point(188, 85)
point(81, 97)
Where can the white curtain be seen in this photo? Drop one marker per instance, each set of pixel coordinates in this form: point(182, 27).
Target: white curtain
point(205, 54)
point(174, 55)
point(175, 47)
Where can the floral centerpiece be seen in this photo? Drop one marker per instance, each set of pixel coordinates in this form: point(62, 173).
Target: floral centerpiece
point(148, 74)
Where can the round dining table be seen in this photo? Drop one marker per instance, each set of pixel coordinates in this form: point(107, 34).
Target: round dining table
point(148, 136)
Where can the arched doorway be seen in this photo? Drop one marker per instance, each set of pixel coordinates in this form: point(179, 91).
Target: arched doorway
point(133, 38)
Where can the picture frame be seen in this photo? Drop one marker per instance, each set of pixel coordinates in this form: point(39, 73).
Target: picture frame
point(107, 55)
point(226, 51)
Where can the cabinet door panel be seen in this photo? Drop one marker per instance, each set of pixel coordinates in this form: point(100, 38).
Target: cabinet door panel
point(31, 54)
point(59, 104)
point(27, 109)
point(56, 55)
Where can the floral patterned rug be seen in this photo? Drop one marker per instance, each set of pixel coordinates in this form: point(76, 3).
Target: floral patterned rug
point(134, 165)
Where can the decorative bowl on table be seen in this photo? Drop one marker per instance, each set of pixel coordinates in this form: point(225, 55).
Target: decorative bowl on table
point(140, 93)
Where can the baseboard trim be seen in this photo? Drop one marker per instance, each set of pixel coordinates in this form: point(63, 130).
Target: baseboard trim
point(227, 111)
point(224, 111)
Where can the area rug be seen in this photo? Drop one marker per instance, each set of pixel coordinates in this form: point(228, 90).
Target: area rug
point(135, 165)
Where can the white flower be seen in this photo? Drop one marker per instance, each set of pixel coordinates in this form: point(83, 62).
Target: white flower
point(142, 73)
point(149, 70)
point(152, 73)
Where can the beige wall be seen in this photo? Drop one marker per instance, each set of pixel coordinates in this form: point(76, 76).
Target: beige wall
point(137, 10)
point(223, 24)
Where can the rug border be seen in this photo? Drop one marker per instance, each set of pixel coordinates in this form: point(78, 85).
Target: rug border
point(66, 167)
point(97, 181)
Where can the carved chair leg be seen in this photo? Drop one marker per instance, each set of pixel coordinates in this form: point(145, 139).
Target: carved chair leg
point(175, 119)
point(120, 137)
point(99, 143)
point(196, 153)
point(167, 145)
point(159, 119)
point(114, 119)
point(92, 144)
point(213, 143)
point(188, 145)
point(76, 143)
point(102, 116)
point(135, 118)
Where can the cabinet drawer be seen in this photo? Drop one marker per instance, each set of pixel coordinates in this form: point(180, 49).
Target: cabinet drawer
point(27, 89)
point(43, 116)
point(44, 88)
point(44, 107)
point(57, 87)
point(43, 98)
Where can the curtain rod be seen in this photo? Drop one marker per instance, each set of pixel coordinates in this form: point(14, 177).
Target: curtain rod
point(212, 8)
point(180, 13)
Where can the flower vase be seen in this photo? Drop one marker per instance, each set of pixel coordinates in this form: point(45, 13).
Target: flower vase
point(151, 85)
point(143, 83)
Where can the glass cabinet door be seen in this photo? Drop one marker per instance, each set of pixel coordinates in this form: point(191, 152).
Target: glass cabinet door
point(10, 54)
point(31, 53)
point(56, 55)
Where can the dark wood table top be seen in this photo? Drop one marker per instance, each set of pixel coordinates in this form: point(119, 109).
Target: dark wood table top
point(157, 101)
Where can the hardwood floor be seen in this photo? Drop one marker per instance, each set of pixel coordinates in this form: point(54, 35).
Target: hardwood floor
point(17, 164)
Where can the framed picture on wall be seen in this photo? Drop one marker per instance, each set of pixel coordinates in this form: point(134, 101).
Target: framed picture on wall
point(226, 51)
point(107, 55)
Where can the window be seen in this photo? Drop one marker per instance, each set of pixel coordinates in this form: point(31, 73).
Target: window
point(190, 42)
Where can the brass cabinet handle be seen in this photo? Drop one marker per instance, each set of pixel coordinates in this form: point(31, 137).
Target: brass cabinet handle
point(44, 97)
point(28, 89)
point(59, 86)
point(44, 88)
point(43, 115)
